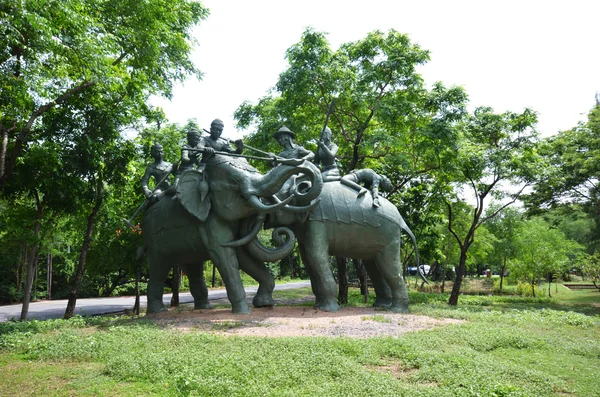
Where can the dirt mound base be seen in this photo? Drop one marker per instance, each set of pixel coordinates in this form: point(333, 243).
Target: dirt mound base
point(282, 321)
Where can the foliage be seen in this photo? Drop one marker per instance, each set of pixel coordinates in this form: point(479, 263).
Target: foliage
point(497, 351)
point(591, 269)
point(571, 174)
point(54, 52)
point(542, 250)
point(381, 113)
point(495, 150)
point(76, 75)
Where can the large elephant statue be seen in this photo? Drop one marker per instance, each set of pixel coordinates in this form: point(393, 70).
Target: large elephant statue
point(343, 224)
point(206, 219)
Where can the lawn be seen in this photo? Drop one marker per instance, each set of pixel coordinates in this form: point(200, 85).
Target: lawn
point(506, 347)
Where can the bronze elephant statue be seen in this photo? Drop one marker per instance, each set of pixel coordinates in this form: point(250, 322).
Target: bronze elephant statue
point(343, 224)
point(205, 220)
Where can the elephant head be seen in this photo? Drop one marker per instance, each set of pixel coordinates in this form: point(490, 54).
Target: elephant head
point(233, 190)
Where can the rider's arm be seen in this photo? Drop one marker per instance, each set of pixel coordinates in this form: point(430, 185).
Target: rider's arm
point(145, 181)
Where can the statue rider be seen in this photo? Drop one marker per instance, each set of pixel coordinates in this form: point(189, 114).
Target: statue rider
point(290, 150)
point(205, 147)
point(160, 170)
point(326, 156)
point(370, 179)
point(214, 142)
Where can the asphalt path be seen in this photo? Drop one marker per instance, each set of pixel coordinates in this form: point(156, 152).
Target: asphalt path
point(44, 310)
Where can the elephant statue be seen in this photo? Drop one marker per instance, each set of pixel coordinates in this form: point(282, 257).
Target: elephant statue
point(205, 220)
point(343, 224)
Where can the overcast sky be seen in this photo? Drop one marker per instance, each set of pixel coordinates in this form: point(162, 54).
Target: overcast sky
point(507, 54)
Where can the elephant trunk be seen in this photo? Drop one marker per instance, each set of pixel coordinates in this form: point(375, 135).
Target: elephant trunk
point(270, 184)
point(309, 185)
point(250, 236)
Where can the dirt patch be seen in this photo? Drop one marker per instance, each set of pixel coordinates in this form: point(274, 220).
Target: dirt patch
point(283, 321)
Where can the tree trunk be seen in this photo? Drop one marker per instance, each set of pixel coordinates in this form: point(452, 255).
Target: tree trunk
point(502, 273)
point(462, 264)
point(342, 271)
point(549, 284)
point(32, 257)
point(49, 282)
point(361, 272)
point(533, 287)
point(3, 149)
point(87, 240)
point(443, 278)
point(114, 284)
point(22, 262)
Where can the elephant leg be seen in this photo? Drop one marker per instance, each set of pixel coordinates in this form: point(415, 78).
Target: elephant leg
point(156, 285)
point(316, 256)
point(383, 293)
point(258, 271)
point(313, 281)
point(389, 265)
point(215, 232)
point(195, 273)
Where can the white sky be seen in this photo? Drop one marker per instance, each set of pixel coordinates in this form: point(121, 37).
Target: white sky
point(508, 54)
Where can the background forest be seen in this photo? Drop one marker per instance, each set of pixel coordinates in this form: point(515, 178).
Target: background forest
point(480, 189)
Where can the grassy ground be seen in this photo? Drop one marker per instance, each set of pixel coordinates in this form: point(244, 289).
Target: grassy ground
point(508, 346)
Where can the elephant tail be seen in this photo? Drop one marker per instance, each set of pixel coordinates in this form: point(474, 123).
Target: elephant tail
point(414, 241)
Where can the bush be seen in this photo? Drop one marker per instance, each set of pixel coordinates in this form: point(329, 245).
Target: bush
point(525, 289)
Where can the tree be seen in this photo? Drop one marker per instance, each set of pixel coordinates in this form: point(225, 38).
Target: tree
point(591, 269)
point(572, 173)
point(505, 227)
point(76, 74)
point(495, 150)
point(542, 251)
point(382, 116)
point(53, 51)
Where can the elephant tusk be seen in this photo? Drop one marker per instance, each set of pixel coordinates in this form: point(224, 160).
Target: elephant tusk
point(264, 254)
point(301, 209)
point(264, 208)
point(249, 237)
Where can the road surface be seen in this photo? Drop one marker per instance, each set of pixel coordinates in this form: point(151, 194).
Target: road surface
point(44, 310)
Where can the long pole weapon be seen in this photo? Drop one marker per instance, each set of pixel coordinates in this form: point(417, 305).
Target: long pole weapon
point(329, 111)
point(129, 221)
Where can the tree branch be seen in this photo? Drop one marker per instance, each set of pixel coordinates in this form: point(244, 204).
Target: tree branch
point(21, 138)
point(515, 198)
point(460, 244)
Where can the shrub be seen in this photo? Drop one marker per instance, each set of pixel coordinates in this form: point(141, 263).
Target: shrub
point(525, 289)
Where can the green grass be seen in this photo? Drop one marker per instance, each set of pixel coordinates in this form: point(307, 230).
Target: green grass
point(518, 347)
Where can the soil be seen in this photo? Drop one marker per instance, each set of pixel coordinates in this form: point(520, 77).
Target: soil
point(284, 321)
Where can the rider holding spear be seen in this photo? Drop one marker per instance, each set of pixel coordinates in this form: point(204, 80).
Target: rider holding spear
point(207, 145)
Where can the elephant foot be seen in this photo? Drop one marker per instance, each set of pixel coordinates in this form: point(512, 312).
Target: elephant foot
point(155, 307)
point(240, 307)
point(329, 307)
point(398, 308)
point(202, 305)
point(382, 302)
point(263, 301)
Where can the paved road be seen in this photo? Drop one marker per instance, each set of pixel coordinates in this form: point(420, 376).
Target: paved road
point(44, 310)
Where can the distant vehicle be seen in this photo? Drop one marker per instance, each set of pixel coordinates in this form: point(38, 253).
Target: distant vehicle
point(412, 271)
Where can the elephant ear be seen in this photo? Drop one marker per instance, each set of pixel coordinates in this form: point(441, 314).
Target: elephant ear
point(192, 191)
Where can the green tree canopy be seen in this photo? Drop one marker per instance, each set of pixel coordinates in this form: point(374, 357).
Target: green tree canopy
point(54, 51)
point(572, 173)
